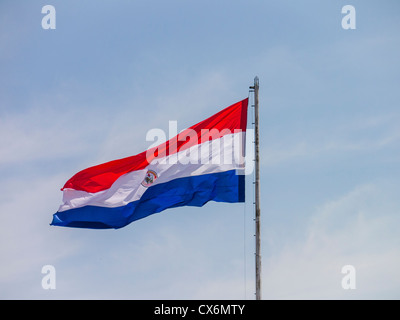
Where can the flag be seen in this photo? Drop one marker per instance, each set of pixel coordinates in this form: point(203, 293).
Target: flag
point(200, 164)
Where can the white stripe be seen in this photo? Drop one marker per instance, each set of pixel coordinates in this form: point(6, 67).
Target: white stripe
point(214, 156)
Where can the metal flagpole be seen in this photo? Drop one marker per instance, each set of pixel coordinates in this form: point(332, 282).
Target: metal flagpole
point(257, 190)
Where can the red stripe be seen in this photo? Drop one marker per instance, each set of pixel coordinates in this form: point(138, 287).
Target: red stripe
point(102, 176)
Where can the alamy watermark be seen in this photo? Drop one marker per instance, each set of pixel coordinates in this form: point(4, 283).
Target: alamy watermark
point(49, 280)
point(49, 20)
point(207, 146)
point(349, 20)
point(349, 280)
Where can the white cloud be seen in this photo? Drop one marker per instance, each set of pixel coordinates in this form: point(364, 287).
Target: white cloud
point(42, 134)
point(368, 134)
point(27, 242)
point(357, 229)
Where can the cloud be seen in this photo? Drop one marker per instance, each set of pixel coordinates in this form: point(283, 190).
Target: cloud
point(357, 228)
point(27, 242)
point(360, 135)
point(44, 133)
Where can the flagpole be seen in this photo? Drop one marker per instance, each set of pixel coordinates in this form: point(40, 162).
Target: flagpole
point(257, 190)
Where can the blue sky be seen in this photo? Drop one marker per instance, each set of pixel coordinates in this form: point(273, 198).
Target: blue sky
point(88, 91)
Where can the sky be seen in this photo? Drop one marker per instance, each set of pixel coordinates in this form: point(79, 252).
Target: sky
point(89, 90)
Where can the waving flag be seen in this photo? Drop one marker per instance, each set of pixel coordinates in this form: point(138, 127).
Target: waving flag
point(200, 164)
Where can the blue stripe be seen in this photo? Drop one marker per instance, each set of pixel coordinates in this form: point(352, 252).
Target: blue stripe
point(189, 191)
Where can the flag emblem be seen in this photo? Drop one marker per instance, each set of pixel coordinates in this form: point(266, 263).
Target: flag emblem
point(150, 177)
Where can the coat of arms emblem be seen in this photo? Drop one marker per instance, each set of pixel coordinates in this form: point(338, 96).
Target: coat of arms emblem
point(150, 177)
